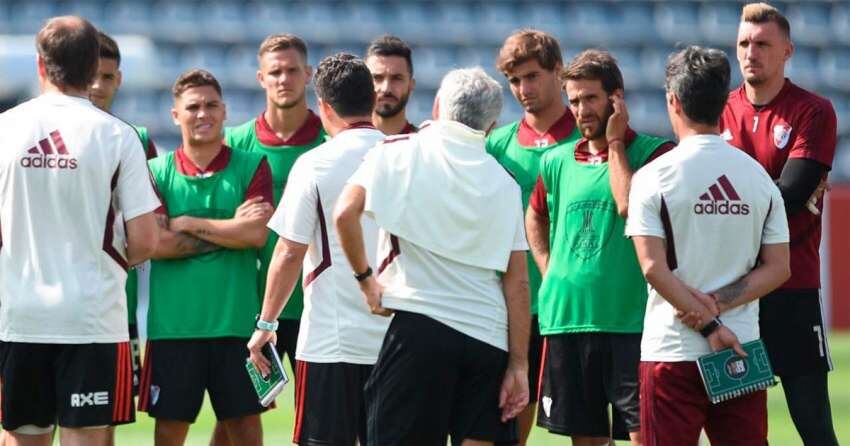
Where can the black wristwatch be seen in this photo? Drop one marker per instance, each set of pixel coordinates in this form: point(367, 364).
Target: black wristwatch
point(710, 327)
point(364, 275)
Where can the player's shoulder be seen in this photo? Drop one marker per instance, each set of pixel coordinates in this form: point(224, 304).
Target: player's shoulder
point(499, 138)
point(804, 100)
point(237, 136)
point(159, 163)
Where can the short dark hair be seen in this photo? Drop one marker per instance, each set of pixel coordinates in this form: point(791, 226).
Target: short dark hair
point(195, 78)
point(108, 47)
point(69, 50)
point(699, 77)
point(388, 45)
point(595, 65)
point(529, 44)
point(345, 83)
point(759, 13)
point(280, 42)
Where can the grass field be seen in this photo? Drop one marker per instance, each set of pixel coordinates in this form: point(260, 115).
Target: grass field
point(277, 424)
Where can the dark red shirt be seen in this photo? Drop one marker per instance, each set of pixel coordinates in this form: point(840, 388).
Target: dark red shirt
point(559, 130)
point(306, 134)
point(408, 128)
point(795, 124)
point(583, 156)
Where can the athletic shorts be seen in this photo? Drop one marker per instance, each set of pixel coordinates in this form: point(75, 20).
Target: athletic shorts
point(582, 374)
point(792, 328)
point(674, 408)
point(432, 382)
point(135, 356)
point(287, 339)
point(72, 385)
point(178, 371)
point(330, 409)
point(535, 354)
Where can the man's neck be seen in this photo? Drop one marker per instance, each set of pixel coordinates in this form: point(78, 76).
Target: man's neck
point(48, 87)
point(392, 125)
point(342, 124)
point(202, 154)
point(597, 145)
point(694, 129)
point(285, 122)
point(543, 120)
point(764, 92)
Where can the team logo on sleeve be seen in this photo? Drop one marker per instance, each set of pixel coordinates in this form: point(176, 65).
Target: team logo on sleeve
point(721, 199)
point(49, 154)
point(781, 135)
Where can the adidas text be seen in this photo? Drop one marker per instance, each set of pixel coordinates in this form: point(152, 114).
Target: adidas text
point(49, 162)
point(721, 208)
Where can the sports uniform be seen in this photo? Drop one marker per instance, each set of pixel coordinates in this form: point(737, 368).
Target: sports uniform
point(202, 307)
point(591, 350)
point(519, 148)
point(446, 291)
point(339, 338)
point(257, 136)
point(715, 207)
point(796, 124)
point(67, 170)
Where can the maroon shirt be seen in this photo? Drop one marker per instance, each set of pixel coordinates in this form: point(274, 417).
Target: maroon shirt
point(795, 124)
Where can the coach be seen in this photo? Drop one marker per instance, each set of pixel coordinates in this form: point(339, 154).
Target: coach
point(451, 221)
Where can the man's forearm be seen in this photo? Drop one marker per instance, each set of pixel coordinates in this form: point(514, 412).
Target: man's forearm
point(347, 215)
point(537, 233)
point(620, 176)
point(177, 245)
point(284, 272)
point(516, 290)
point(229, 233)
point(770, 273)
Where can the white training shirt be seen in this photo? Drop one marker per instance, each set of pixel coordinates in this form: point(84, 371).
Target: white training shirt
point(67, 169)
point(464, 296)
point(715, 206)
point(336, 325)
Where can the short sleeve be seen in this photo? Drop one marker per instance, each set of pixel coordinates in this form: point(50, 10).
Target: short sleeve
point(298, 212)
point(816, 135)
point(261, 183)
point(537, 202)
point(776, 223)
point(520, 240)
point(365, 175)
point(135, 189)
point(644, 206)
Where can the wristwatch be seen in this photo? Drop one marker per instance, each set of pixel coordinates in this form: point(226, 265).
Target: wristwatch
point(710, 327)
point(266, 326)
point(364, 275)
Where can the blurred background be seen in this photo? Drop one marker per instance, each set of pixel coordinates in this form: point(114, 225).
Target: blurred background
point(161, 39)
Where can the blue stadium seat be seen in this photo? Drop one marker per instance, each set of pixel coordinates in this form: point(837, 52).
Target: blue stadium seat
point(677, 21)
point(841, 103)
point(810, 23)
point(840, 22)
point(414, 22)
point(177, 21)
point(496, 21)
point(803, 67)
point(841, 164)
point(171, 64)
point(601, 24)
point(648, 112)
point(240, 106)
point(629, 61)
point(242, 66)
point(318, 22)
point(549, 17)
point(208, 57)
point(127, 16)
point(653, 61)
point(90, 9)
point(835, 68)
point(28, 16)
point(455, 22)
point(432, 64)
point(420, 104)
point(224, 21)
point(17, 65)
point(267, 17)
point(719, 22)
point(511, 109)
point(363, 21)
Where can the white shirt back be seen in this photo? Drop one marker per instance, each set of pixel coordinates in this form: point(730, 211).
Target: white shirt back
point(68, 171)
point(715, 206)
point(336, 325)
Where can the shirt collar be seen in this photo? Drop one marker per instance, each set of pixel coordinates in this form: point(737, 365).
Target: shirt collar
point(186, 166)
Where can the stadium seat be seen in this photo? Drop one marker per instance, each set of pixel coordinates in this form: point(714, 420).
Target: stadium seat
point(172, 64)
point(841, 103)
point(719, 22)
point(653, 61)
point(267, 17)
point(841, 164)
point(224, 22)
point(415, 22)
point(676, 22)
point(127, 16)
point(173, 21)
point(601, 24)
point(835, 68)
point(549, 17)
point(455, 22)
point(363, 21)
point(432, 63)
point(497, 21)
point(28, 16)
point(17, 65)
point(803, 67)
point(648, 112)
point(840, 22)
point(208, 57)
point(317, 22)
point(811, 23)
point(242, 66)
point(629, 61)
point(90, 9)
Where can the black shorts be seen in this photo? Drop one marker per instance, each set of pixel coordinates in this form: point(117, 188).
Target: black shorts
point(582, 374)
point(287, 339)
point(792, 328)
point(135, 356)
point(330, 409)
point(177, 371)
point(535, 355)
point(72, 385)
point(432, 381)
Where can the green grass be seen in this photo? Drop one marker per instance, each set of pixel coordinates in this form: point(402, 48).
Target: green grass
point(277, 424)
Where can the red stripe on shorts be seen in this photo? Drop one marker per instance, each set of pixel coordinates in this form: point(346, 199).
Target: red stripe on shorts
point(299, 400)
point(128, 379)
point(118, 397)
point(145, 383)
point(542, 367)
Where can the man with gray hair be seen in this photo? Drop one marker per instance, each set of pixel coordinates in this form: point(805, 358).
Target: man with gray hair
point(711, 236)
point(452, 244)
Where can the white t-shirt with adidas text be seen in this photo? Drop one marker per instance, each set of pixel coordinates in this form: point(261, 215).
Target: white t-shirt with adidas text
point(715, 207)
point(336, 325)
point(68, 171)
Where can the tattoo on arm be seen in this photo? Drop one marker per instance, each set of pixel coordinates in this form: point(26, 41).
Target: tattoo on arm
point(729, 293)
point(193, 245)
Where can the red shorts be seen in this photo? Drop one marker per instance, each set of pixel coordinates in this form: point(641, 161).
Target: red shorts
point(674, 408)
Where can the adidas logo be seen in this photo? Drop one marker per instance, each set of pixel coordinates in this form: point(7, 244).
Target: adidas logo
point(49, 156)
point(721, 199)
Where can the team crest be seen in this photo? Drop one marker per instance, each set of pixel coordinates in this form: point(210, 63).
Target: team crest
point(781, 135)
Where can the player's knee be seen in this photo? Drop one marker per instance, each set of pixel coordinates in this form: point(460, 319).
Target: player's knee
point(31, 429)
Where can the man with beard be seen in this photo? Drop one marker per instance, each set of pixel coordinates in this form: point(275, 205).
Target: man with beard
point(593, 294)
point(389, 61)
point(531, 61)
point(792, 133)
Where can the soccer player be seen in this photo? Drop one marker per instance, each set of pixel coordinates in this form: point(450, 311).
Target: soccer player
point(340, 339)
point(203, 285)
point(593, 295)
point(453, 361)
point(531, 61)
point(101, 93)
point(67, 169)
point(791, 132)
point(704, 217)
point(390, 63)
